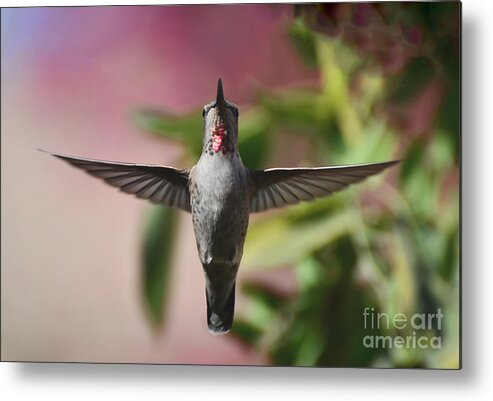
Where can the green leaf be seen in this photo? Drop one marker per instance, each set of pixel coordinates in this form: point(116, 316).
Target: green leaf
point(412, 160)
point(186, 129)
point(156, 260)
point(336, 94)
point(277, 242)
point(403, 87)
point(443, 152)
point(303, 40)
point(246, 332)
point(295, 110)
point(253, 138)
point(269, 297)
point(264, 303)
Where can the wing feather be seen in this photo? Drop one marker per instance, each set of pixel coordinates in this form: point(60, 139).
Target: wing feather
point(159, 184)
point(279, 187)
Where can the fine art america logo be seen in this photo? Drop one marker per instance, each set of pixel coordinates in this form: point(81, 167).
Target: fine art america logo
point(422, 330)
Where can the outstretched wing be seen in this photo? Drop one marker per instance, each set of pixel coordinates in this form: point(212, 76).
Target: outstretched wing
point(159, 184)
point(279, 187)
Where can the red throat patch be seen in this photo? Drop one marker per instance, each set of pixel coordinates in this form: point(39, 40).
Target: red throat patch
point(218, 135)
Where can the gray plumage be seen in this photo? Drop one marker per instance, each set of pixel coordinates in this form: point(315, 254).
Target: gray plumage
point(220, 192)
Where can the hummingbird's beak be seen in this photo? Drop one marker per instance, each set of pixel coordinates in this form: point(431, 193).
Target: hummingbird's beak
point(220, 101)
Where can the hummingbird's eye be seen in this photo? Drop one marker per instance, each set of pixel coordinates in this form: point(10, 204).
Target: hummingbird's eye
point(203, 112)
point(234, 110)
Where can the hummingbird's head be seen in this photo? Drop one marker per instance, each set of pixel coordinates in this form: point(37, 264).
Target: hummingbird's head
point(220, 125)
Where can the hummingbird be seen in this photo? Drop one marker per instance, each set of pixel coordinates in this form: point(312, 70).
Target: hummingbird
point(220, 192)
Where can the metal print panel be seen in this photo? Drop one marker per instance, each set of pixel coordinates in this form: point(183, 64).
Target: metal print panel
point(288, 180)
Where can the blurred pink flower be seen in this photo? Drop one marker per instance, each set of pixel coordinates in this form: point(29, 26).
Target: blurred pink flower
point(166, 55)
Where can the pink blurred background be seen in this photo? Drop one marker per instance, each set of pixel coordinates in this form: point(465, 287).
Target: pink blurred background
point(70, 244)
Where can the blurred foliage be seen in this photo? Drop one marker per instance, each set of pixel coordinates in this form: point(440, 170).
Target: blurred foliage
point(389, 89)
point(156, 260)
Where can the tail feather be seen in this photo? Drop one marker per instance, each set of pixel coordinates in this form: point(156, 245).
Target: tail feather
point(220, 295)
point(220, 319)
